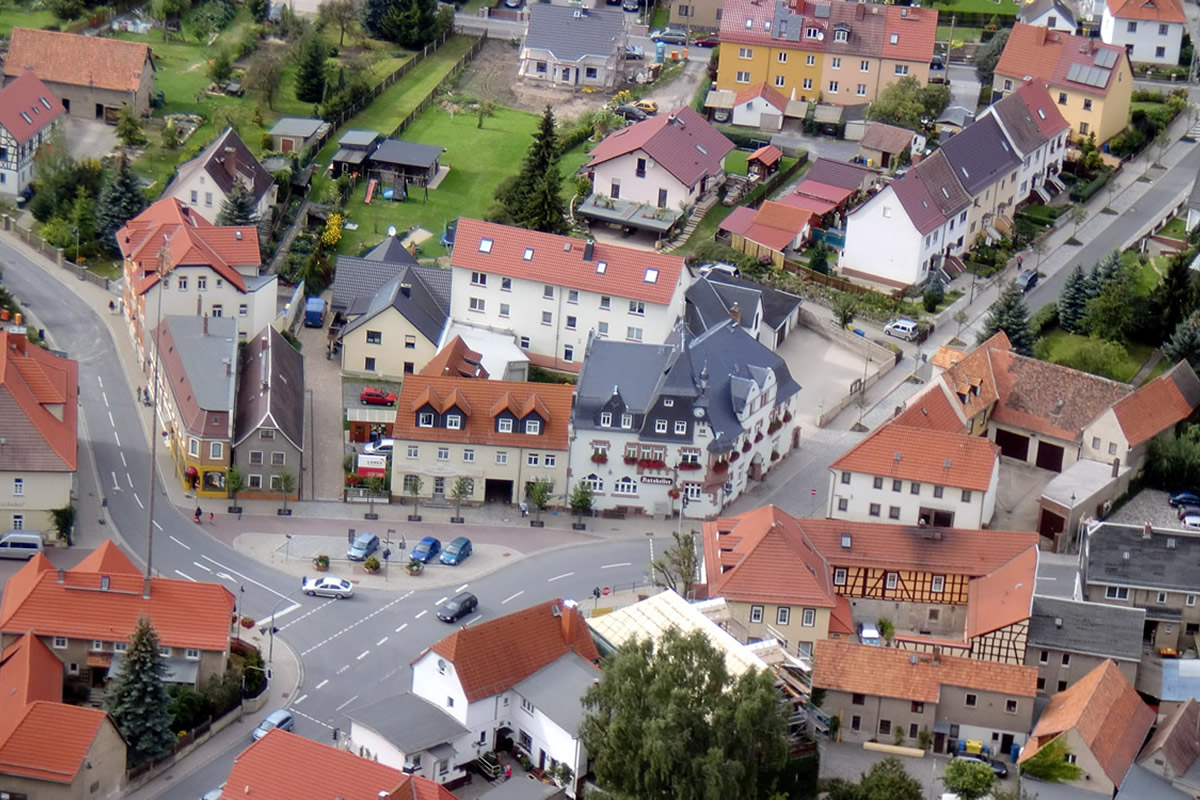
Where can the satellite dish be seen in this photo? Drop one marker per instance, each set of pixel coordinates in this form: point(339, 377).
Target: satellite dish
point(391, 230)
point(820, 36)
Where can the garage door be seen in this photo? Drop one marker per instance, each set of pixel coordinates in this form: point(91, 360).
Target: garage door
point(1050, 524)
point(1050, 456)
point(1013, 445)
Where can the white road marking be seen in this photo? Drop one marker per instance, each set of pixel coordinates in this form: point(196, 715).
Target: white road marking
point(105, 396)
point(343, 669)
point(184, 546)
point(117, 437)
point(473, 619)
point(225, 576)
point(243, 577)
point(299, 699)
point(284, 613)
point(185, 576)
point(111, 420)
point(439, 602)
point(559, 577)
point(402, 627)
point(123, 462)
point(348, 702)
point(100, 381)
point(326, 725)
point(322, 683)
point(348, 628)
point(513, 597)
point(423, 613)
point(139, 500)
point(116, 485)
point(461, 588)
point(201, 566)
point(130, 479)
point(381, 641)
point(614, 566)
point(160, 527)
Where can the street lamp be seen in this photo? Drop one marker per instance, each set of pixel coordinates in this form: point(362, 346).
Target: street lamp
point(271, 629)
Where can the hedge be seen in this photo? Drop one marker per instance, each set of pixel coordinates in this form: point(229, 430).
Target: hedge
point(1084, 191)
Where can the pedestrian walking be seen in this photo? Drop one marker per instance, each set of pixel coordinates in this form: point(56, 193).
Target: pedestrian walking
point(1020, 261)
point(198, 513)
point(524, 508)
point(210, 518)
point(507, 771)
point(112, 307)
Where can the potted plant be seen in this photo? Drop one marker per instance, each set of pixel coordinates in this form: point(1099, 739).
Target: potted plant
point(247, 622)
point(321, 563)
point(630, 459)
point(758, 437)
point(720, 466)
point(599, 457)
point(787, 416)
point(414, 567)
point(371, 565)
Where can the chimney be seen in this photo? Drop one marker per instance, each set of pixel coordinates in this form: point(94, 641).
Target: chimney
point(146, 588)
point(860, 11)
point(589, 248)
point(406, 289)
point(231, 161)
point(62, 576)
point(1147, 530)
point(937, 655)
point(1116, 467)
point(735, 315)
point(1058, 622)
point(569, 621)
point(205, 330)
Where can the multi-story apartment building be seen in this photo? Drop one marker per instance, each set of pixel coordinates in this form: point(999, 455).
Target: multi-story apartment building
point(551, 292)
point(39, 451)
point(685, 426)
point(1091, 82)
point(1151, 31)
point(841, 53)
point(500, 435)
point(29, 115)
point(1069, 638)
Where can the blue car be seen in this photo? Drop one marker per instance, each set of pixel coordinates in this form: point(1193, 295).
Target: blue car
point(1185, 497)
point(457, 551)
point(426, 549)
point(364, 545)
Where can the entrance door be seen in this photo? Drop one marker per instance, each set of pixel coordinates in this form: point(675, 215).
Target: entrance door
point(1006, 743)
point(66, 105)
point(498, 491)
point(1013, 445)
point(566, 74)
point(1050, 456)
point(936, 517)
point(286, 145)
point(439, 488)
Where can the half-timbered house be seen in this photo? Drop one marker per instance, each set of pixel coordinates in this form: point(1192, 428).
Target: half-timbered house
point(29, 114)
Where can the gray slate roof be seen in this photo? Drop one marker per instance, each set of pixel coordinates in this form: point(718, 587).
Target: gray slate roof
point(358, 138)
point(980, 154)
point(1169, 560)
point(409, 154)
point(1142, 784)
point(557, 689)
point(417, 303)
point(1092, 628)
point(1030, 11)
point(203, 357)
point(411, 723)
point(637, 370)
point(297, 126)
point(360, 277)
point(778, 306)
point(212, 160)
point(270, 389)
point(570, 38)
point(1194, 198)
point(842, 174)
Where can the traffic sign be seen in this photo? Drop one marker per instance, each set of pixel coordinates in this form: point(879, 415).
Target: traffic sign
point(605, 591)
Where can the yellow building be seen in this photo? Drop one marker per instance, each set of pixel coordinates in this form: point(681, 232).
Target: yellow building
point(1090, 81)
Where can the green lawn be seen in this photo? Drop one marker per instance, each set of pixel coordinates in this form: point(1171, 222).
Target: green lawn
point(1003, 8)
point(24, 18)
point(961, 33)
point(735, 162)
point(479, 159)
point(1144, 105)
point(1175, 229)
point(660, 18)
point(706, 231)
point(1064, 346)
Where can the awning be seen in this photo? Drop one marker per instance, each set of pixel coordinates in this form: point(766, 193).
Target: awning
point(443, 751)
point(191, 472)
point(99, 659)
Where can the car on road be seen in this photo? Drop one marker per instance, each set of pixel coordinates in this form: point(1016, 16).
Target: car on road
point(1188, 509)
point(634, 52)
point(630, 112)
point(998, 767)
point(905, 329)
point(213, 794)
point(457, 607)
point(380, 447)
point(336, 588)
point(281, 719)
point(632, 6)
point(669, 36)
point(374, 396)
point(456, 551)
point(1191, 522)
point(426, 549)
point(364, 545)
point(646, 106)
point(710, 40)
point(1184, 497)
point(1027, 279)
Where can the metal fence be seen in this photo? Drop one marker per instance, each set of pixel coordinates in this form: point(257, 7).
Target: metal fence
point(450, 76)
point(54, 253)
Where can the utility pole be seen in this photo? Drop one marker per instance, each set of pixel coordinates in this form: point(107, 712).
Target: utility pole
point(159, 270)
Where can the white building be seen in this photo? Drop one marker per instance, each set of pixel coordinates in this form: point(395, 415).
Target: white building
point(551, 291)
point(573, 47)
point(29, 115)
point(690, 423)
point(1037, 132)
point(760, 106)
point(205, 182)
point(1053, 14)
point(1151, 31)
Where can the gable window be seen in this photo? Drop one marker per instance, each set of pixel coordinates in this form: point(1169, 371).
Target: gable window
point(256, 456)
point(18, 487)
point(454, 422)
point(637, 307)
point(501, 457)
point(1010, 706)
point(548, 292)
point(839, 577)
point(891, 580)
point(841, 35)
point(1066, 659)
point(374, 337)
point(605, 419)
point(660, 426)
point(897, 485)
point(425, 419)
point(504, 425)
point(782, 615)
point(966, 495)
point(1087, 104)
point(605, 302)
point(918, 708)
point(1044, 658)
point(1162, 598)
point(506, 284)
point(182, 283)
point(278, 458)
point(938, 584)
point(878, 482)
point(533, 426)
point(201, 283)
point(1131, 27)
point(627, 420)
point(413, 451)
point(756, 614)
point(915, 488)
point(60, 642)
point(937, 491)
point(468, 455)
point(680, 427)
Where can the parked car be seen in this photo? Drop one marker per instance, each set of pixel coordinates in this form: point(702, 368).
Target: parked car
point(380, 447)
point(513, 3)
point(869, 634)
point(281, 719)
point(327, 587)
point(634, 52)
point(998, 767)
point(426, 549)
point(457, 607)
point(707, 269)
point(630, 112)
point(905, 329)
point(1191, 522)
point(364, 545)
point(1184, 497)
point(632, 6)
point(670, 36)
point(708, 40)
point(373, 396)
point(457, 551)
point(213, 794)
point(1027, 279)
point(646, 106)
point(1188, 509)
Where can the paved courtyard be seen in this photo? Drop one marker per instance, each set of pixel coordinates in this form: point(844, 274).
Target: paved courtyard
point(1018, 495)
point(322, 377)
point(823, 368)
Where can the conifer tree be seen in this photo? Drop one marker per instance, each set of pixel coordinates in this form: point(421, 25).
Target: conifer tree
point(1171, 300)
point(121, 199)
point(545, 210)
point(139, 703)
point(1072, 300)
point(238, 208)
point(310, 74)
point(1010, 315)
point(542, 154)
point(1184, 344)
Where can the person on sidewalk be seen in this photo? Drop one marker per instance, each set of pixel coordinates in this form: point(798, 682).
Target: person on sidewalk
point(198, 513)
point(210, 518)
point(507, 771)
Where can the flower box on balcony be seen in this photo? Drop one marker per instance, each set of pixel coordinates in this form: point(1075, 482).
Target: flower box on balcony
point(630, 459)
point(689, 465)
point(774, 426)
point(758, 437)
point(774, 455)
point(720, 466)
point(652, 463)
point(599, 458)
point(734, 456)
point(787, 416)
point(746, 446)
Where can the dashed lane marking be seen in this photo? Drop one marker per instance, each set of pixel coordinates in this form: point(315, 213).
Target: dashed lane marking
point(129, 478)
point(614, 566)
point(474, 619)
point(462, 588)
point(325, 725)
point(322, 683)
point(117, 437)
point(185, 576)
point(202, 566)
point(381, 641)
point(402, 627)
point(348, 628)
point(348, 702)
point(512, 597)
point(105, 396)
point(184, 546)
point(111, 420)
point(559, 577)
point(439, 602)
point(124, 463)
point(423, 613)
point(160, 527)
point(299, 699)
point(343, 669)
point(309, 614)
point(362, 655)
point(116, 485)
point(100, 381)
point(139, 500)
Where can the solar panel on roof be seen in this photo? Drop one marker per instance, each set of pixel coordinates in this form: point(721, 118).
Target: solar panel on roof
point(1073, 72)
point(1105, 58)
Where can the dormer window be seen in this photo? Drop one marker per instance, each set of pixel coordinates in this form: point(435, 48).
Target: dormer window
point(485, 245)
point(627, 421)
point(425, 419)
point(533, 427)
point(605, 419)
point(841, 36)
point(504, 425)
point(454, 422)
point(812, 33)
point(749, 23)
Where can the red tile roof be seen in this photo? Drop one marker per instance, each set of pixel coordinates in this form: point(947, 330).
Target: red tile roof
point(1033, 51)
point(184, 613)
point(39, 409)
point(1043, 110)
point(915, 29)
point(190, 240)
point(888, 672)
point(27, 106)
point(818, 207)
point(78, 60)
point(682, 142)
point(1158, 405)
point(40, 737)
point(766, 92)
point(270, 769)
point(1177, 738)
point(924, 455)
point(456, 360)
point(496, 655)
point(808, 188)
point(1003, 597)
point(775, 225)
point(1106, 712)
point(627, 272)
point(933, 409)
point(767, 154)
point(1148, 10)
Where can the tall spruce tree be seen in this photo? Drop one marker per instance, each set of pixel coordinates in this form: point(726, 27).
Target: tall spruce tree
point(1171, 300)
point(542, 154)
point(545, 210)
point(238, 208)
point(1184, 344)
point(1107, 269)
point(139, 703)
point(410, 23)
point(1010, 315)
point(1072, 300)
point(310, 73)
point(121, 199)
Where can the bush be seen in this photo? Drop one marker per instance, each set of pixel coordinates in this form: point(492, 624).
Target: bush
point(188, 707)
point(1083, 192)
point(1044, 319)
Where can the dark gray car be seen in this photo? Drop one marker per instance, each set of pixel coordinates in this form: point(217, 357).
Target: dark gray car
point(364, 545)
point(457, 607)
point(1027, 279)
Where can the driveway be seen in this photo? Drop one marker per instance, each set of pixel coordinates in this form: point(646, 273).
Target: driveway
point(88, 138)
point(825, 370)
point(1018, 494)
point(323, 379)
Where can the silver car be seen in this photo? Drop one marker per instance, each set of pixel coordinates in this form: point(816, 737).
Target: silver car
point(327, 587)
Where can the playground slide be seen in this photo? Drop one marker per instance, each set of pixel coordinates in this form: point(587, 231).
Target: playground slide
point(371, 189)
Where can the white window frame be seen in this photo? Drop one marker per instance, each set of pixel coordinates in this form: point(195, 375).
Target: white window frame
point(783, 615)
point(756, 615)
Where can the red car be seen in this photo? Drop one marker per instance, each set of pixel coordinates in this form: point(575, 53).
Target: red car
point(372, 396)
point(711, 40)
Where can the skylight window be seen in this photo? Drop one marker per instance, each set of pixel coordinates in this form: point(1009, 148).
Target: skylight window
point(485, 245)
point(749, 23)
point(701, 149)
point(528, 254)
point(601, 266)
point(46, 103)
point(26, 117)
point(37, 110)
point(651, 275)
point(945, 193)
point(894, 38)
point(1041, 113)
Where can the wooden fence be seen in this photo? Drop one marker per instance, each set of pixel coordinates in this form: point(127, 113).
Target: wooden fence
point(770, 186)
point(451, 75)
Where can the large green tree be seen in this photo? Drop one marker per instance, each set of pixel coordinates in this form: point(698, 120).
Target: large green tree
point(1114, 313)
point(239, 207)
point(121, 199)
point(546, 211)
point(1072, 300)
point(310, 73)
point(411, 23)
point(970, 780)
point(1010, 315)
point(1184, 344)
point(168, 10)
point(988, 56)
point(886, 780)
point(900, 103)
point(1171, 300)
point(340, 14)
point(266, 74)
point(533, 198)
point(138, 702)
point(668, 722)
point(1050, 763)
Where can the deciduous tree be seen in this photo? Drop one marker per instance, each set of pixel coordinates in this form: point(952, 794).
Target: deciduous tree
point(340, 14)
point(220, 69)
point(1010, 315)
point(1050, 763)
point(129, 128)
point(138, 702)
point(677, 567)
point(1113, 313)
point(581, 499)
point(538, 494)
point(970, 780)
point(886, 780)
point(265, 74)
point(845, 306)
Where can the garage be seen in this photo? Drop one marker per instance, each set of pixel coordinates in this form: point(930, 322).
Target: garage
point(497, 491)
point(1050, 524)
point(1013, 445)
point(1050, 456)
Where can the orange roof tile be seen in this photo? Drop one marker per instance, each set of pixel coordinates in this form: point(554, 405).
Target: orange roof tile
point(933, 409)
point(184, 613)
point(1034, 51)
point(924, 455)
point(766, 92)
point(1159, 404)
point(1149, 10)
point(78, 60)
point(915, 29)
point(767, 154)
point(456, 359)
point(550, 401)
point(971, 378)
point(498, 654)
point(1050, 399)
point(1107, 713)
point(268, 770)
point(841, 620)
point(947, 357)
point(888, 672)
point(627, 272)
point(39, 412)
point(1003, 597)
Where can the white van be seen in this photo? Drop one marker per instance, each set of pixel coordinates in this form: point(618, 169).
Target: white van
point(869, 634)
point(20, 544)
point(905, 329)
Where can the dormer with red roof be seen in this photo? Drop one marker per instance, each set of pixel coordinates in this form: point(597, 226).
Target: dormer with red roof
point(29, 115)
point(39, 413)
point(176, 259)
